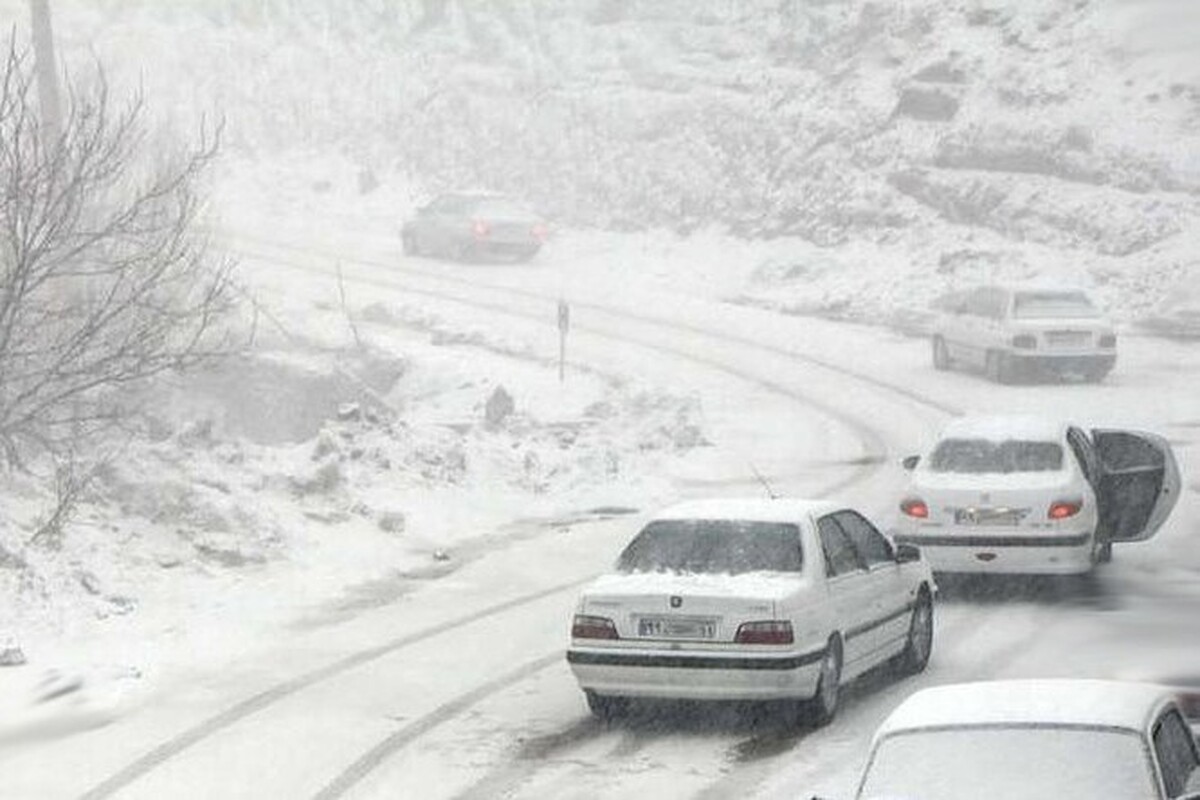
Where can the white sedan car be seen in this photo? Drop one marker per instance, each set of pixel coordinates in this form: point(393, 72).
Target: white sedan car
point(1009, 331)
point(780, 600)
point(1034, 740)
point(1035, 496)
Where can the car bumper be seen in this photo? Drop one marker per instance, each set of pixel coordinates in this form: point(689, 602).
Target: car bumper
point(1065, 362)
point(1004, 554)
point(697, 675)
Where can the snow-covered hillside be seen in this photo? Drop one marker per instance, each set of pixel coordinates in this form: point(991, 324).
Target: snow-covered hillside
point(913, 145)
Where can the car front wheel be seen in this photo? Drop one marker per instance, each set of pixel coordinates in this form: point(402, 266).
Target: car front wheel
point(917, 649)
point(941, 355)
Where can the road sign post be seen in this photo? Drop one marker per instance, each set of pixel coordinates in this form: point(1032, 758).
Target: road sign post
point(564, 324)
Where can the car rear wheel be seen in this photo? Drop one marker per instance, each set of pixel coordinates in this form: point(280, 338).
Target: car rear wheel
point(408, 242)
point(941, 355)
point(604, 708)
point(998, 367)
point(823, 706)
point(917, 649)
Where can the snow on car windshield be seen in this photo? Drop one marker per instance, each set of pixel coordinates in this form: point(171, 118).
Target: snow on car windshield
point(714, 546)
point(982, 455)
point(1045, 305)
point(1043, 763)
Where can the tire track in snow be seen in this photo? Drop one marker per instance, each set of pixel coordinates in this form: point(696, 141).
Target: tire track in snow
point(265, 699)
point(616, 311)
point(369, 761)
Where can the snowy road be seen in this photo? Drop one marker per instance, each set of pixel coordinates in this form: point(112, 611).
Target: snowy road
point(461, 690)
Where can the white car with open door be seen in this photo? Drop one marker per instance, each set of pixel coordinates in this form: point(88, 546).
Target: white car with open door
point(1036, 496)
point(780, 600)
point(1034, 740)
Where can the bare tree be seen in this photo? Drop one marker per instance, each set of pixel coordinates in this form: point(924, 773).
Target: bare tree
point(104, 279)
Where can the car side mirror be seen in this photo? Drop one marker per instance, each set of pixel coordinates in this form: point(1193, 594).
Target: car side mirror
point(907, 553)
point(910, 462)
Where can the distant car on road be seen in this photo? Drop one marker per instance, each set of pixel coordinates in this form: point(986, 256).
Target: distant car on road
point(1030, 495)
point(1034, 740)
point(1011, 332)
point(471, 225)
point(780, 600)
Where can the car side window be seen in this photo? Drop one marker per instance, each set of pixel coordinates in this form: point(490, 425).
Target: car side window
point(871, 546)
point(977, 303)
point(1084, 456)
point(840, 556)
point(1175, 748)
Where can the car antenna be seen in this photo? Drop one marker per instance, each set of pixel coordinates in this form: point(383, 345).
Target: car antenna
point(765, 484)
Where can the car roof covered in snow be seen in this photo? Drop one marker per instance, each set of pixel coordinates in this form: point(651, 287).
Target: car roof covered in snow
point(999, 427)
point(1112, 704)
point(754, 509)
point(1047, 286)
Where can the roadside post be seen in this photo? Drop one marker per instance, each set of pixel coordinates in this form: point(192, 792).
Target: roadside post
point(564, 324)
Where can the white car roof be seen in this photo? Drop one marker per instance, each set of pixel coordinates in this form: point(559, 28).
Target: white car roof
point(756, 509)
point(1054, 701)
point(998, 427)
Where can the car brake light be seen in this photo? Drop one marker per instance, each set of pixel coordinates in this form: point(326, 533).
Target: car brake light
point(480, 228)
point(1189, 703)
point(585, 627)
point(540, 232)
point(1062, 509)
point(773, 631)
point(1025, 341)
point(915, 507)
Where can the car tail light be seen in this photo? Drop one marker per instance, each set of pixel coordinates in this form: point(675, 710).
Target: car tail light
point(915, 507)
point(1063, 509)
point(585, 627)
point(1189, 704)
point(772, 631)
point(1108, 340)
point(1025, 341)
point(480, 228)
point(540, 232)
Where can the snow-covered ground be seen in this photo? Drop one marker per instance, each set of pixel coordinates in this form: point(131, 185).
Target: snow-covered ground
point(336, 487)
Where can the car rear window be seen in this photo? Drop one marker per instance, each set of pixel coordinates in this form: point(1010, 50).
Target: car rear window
point(983, 455)
point(1044, 305)
point(713, 546)
point(500, 207)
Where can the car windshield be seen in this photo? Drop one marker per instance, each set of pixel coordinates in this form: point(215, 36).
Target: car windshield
point(1044, 305)
point(499, 207)
point(986, 456)
point(713, 546)
point(1010, 763)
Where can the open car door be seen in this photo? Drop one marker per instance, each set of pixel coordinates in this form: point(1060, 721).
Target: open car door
point(1138, 484)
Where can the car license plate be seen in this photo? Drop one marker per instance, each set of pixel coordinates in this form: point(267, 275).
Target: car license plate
point(990, 516)
point(677, 628)
point(1068, 338)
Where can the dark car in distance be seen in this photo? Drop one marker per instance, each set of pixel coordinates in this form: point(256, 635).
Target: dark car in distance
point(475, 225)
